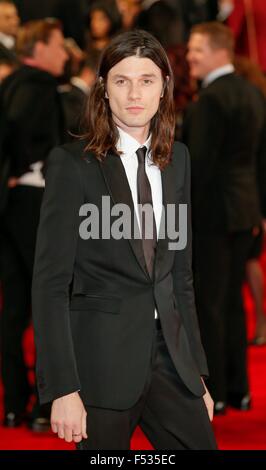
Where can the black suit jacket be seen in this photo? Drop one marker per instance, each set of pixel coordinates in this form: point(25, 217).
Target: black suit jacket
point(32, 121)
point(93, 301)
point(225, 133)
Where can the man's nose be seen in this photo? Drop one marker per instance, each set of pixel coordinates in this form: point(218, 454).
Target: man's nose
point(65, 55)
point(134, 91)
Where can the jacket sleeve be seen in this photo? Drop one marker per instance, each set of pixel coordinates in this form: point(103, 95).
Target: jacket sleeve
point(183, 282)
point(56, 368)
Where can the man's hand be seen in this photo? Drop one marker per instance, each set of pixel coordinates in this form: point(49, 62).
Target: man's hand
point(208, 401)
point(68, 418)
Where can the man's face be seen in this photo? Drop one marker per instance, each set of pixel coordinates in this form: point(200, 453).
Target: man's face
point(134, 87)
point(9, 19)
point(202, 58)
point(52, 56)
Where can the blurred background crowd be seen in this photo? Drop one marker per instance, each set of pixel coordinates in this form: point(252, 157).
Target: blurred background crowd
point(49, 52)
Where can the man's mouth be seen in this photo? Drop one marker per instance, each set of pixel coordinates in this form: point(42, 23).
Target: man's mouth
point(134, 109)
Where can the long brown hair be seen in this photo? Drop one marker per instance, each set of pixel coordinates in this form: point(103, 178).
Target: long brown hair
point(100, 130)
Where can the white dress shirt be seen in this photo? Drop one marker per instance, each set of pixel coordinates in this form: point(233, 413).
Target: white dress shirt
point(81, 84)
point(34, 177)
point(128, 145)
point(7, 40)
point(217, 73)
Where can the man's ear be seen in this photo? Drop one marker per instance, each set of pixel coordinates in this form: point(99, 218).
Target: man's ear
point(38, 48)
point(164, 85)
point(102, 83)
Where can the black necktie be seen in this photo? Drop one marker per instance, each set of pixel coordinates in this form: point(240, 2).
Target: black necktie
point(147, 225)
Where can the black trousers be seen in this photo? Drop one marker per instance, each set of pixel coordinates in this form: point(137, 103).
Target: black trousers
point(18, 238)
point(219, 273)
point(168, 413)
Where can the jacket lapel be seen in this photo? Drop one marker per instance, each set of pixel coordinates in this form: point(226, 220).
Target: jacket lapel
point(117, 183)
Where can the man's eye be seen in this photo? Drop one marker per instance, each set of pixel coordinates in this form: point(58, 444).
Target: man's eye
point(147, 81)
point(120, 81)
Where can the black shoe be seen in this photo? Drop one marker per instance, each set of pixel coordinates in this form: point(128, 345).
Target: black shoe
point(39, 424)
point(258, 341)
point(219, 408)
point(39, 420)
point(240, 401)
point(13, 420)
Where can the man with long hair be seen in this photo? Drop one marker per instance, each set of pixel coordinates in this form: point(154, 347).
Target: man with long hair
point(115, 323)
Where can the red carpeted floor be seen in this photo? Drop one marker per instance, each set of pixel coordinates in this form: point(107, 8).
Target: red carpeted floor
point(236, 430)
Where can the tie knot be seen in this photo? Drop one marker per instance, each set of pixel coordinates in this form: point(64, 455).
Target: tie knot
point(141, 152)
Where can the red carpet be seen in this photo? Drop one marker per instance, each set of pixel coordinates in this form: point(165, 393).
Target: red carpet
point(235, 431)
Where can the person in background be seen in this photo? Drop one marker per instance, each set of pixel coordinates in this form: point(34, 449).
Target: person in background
point(225, 133)
point(31, 118)
point(254, 272)
point(103, 23)
point(8, 64)
point(74, 96)
point(129, 10)
point(9, 24)
point(161, 19)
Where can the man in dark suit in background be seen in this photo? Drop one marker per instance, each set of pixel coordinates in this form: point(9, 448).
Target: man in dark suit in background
point(74, 96)
point(8, 63)
point(31, 124)
point(9, 23)
point(224, 131)
point(115, 323)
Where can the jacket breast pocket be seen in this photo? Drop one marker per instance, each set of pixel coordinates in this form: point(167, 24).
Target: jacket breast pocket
point(95, 302)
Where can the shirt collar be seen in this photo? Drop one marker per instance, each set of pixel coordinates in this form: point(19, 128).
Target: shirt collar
point(7, 41)
point(80, 84)
point(128, 145)
point(217, 73)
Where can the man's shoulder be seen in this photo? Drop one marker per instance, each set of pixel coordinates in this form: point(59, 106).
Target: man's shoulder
point(180, 154)
point(179, 147)
point(232, 88)
point(229, 82)
point(180, 150)
point(29, 80)
point(75, 148)
point(71, 151)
